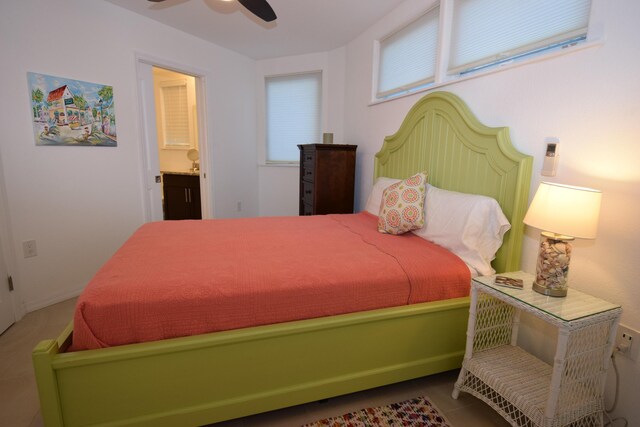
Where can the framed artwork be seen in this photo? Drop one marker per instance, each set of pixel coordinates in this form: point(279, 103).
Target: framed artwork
point(71, 112)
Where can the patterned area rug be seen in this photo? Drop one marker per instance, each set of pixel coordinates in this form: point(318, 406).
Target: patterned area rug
point(414, 412)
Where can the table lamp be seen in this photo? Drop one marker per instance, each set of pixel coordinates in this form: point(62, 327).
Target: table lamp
point(563, 212)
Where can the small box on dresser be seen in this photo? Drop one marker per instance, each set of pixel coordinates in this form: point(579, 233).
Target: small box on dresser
point(327, 178)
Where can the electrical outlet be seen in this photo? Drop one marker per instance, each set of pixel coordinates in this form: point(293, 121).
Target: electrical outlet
point(29, 248)
point(628, 341)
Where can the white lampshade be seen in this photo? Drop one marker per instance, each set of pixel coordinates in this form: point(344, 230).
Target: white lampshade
point(565, 209)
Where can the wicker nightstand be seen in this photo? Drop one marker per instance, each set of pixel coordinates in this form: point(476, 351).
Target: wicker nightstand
point(523, 389)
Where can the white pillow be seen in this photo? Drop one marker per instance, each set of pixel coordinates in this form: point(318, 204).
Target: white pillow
point(375, 197)
point(469, 225)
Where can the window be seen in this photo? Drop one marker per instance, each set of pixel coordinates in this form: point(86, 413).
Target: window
point(293, 113)
point(407, 57)
point(486, 32)
point(458, 37)
point(175, 114)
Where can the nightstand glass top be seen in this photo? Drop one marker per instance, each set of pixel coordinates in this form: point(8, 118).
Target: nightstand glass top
point(575, 305)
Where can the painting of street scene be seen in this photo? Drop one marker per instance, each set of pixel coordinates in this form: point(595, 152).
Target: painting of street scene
point(71, 112)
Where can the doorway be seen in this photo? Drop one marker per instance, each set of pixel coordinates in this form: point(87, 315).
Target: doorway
point(178, 153)
point(173, 131)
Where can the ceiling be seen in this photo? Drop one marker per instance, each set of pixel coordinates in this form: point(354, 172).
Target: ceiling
point(303, 26)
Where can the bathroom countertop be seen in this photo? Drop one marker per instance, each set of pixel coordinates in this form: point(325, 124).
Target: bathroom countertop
point(181, 173)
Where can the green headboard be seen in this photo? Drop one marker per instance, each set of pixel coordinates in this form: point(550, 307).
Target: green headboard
point(441, 135)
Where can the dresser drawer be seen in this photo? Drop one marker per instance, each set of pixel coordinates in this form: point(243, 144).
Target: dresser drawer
point(307, 209)
point(307, 192)
point(308, 164)
point(308, 156)
point(308, 171)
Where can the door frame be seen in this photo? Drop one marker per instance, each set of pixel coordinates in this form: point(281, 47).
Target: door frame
point(7, 257)
point(149, 146)
point(8, 314)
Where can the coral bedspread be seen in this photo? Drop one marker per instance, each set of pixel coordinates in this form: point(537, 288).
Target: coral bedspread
point(180, 278)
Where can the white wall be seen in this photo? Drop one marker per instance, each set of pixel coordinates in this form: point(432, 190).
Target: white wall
point(278, 190)
point(80, 204)
point(590, 100)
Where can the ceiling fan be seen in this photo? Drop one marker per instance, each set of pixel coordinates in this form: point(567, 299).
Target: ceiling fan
point(260, 8)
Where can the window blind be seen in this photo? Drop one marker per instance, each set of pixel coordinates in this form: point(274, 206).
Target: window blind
point(175, 115)
point(407, 57)
point(293, 113)
point(487, 31)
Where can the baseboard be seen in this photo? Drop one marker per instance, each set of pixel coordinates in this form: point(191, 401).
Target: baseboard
point(52, 299)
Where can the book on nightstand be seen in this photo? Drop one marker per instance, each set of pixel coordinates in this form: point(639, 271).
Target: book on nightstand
point(509, 282)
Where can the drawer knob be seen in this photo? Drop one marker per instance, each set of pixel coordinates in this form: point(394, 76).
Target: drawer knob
point(308, 192)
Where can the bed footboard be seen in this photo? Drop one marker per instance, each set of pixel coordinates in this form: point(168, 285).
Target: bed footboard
point(219, 376)
point(43, 357)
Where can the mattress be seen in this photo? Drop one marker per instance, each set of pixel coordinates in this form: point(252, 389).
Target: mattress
point(180, 278)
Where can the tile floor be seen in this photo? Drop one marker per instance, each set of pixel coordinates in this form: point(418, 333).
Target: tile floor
point(19, 405)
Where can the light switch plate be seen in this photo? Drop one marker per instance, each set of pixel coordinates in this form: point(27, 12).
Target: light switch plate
point(551, 156)
point(29, 248)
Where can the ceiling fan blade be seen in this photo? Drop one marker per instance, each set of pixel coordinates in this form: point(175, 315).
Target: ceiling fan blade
point(260, 8)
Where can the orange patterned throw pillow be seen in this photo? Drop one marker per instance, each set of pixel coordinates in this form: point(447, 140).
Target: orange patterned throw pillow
point(402, 207)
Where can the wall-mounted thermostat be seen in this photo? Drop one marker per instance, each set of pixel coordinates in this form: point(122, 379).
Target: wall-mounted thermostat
point(551, 155)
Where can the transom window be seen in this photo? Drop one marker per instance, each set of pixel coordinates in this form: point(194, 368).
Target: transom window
point(485, 32)
point(458, 37)
point(408, 56)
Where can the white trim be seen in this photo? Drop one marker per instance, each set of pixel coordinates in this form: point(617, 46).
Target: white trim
point(207, 198)
point(444, 40)
point(375, 72)
point(9, 250)
point(521, 50)
point(176, 147)
point(280, 164)
point(53, 299)
point(596, 31)
point(406, 88)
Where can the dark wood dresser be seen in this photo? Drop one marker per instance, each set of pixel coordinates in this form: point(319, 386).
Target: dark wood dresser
point(181, 195)
point(327, 178)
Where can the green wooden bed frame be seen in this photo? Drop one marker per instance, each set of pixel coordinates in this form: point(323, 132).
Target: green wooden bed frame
point(213, 377)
